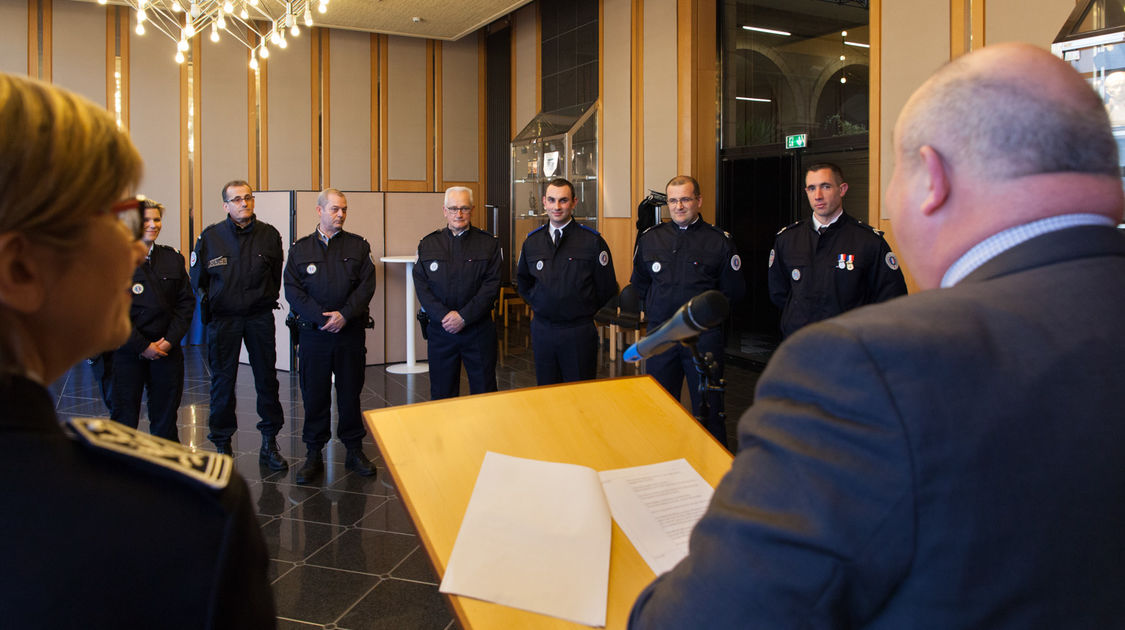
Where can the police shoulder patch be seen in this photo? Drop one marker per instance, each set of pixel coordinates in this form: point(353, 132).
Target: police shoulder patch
point(193, 259)
point(891, 260)
point(210, 469)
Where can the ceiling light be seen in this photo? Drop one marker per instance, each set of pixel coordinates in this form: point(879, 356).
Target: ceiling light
point(767, 30)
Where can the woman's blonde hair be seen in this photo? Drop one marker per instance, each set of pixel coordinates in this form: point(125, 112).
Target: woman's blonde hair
point(62, 161)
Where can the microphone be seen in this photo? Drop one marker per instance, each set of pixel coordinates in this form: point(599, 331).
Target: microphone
point(706, 310)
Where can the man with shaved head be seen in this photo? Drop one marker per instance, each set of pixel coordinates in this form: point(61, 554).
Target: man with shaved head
point(955, 458)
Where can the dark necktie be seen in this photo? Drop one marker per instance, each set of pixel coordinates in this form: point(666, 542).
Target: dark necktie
point(558, 236)
point(822, 229)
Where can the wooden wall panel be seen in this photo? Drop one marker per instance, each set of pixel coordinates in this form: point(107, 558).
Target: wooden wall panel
point(350, 104)
point(1014, 21)
point(616, 23)
point(79, 43)
point(154, 124)
point(406, 135)
point(620, 235)
point(459, 110)
point(221, 119)
point(408, 217)
point(13, 36)
point(289, 121)
point(525, 66)
point(660, 112)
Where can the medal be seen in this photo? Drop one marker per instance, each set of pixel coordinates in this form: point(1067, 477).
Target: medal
point(311, 269)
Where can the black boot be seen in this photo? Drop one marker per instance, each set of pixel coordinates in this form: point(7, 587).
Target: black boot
point(358, 462)
point(312, 468)
point(270, 456)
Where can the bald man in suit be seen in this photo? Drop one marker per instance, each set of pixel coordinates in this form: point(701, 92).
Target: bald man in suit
point(955, 458)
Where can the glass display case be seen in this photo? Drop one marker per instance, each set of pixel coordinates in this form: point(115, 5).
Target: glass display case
point(1092, 41)
point(553, 145)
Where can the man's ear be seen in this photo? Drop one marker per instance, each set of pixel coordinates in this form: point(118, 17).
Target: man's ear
point(22, 284)
point(936, 182)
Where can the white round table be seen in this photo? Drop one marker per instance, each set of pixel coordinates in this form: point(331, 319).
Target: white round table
point(411, 366)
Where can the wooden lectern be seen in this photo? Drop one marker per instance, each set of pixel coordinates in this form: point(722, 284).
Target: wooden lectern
point(434, 451)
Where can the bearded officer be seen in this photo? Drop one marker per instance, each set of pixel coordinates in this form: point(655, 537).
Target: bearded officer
point(329, 282)
point(674, 262)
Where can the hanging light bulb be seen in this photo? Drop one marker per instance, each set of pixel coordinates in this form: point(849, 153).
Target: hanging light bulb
point(176, 6)
point(101, 1)
point(290, 20)
point(843, 79)
point(294, 31)
point(284, 44)
point(253, 61)
point(214, 32)
point(140, 28)
point(179, 57)
point(142, 15)
point(228, 6)
point(194, 10)
point(182, 45)
point(253, 3)
point(244, 14)
point(308, 17)
point(322, 7)
point(221, 21)
point(275, 38)
point(265, 51)
point(189, 30)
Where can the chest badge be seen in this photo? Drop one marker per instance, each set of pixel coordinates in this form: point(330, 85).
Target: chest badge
point(138, 288)
point(311, 269)
point(539, 266)
point(656, 267)
point(851, 262)
point(796, 275)
point(433, 266)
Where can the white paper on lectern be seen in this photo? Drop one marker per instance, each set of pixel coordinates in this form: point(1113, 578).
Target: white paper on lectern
point(656, 506)
point(536, 536)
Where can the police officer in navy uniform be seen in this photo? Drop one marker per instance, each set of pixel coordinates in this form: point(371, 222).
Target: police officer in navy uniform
point(674, 262)
point(565, 274)
point(457, 279)
point(103, 526)
point(161, 314)
point(329, 282)
point(830, 263)
point(236, 270)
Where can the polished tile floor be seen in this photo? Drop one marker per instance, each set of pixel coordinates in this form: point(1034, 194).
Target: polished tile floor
point(344, 552)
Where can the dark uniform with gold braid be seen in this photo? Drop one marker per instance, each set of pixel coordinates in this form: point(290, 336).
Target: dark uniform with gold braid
point(565, 285)
point(459, 273)
point(162, 308)
point(321, 277)
point(107, 527)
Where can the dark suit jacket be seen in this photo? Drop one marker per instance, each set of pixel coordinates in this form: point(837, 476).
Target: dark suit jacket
point(953, 459)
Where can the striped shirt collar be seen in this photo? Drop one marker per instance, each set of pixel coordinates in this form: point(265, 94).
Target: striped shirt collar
point(1001, 242)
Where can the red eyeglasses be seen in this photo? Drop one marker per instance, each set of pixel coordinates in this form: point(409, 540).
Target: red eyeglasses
point(131, 212)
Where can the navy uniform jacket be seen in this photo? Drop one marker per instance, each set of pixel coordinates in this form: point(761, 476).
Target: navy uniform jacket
point(162, 300)
point(814, 277)
point(106, 527)
point(238, 269)
point(339, 276)
point(949, 460)
point(458, 273)
point(568, 284)
point(671, 266)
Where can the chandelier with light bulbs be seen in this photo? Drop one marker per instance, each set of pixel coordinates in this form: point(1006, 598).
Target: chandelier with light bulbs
point(258, 24)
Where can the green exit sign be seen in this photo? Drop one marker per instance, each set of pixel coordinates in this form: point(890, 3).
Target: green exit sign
point(798, 141)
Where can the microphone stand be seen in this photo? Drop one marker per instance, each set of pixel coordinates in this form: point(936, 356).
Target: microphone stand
point(705, 366)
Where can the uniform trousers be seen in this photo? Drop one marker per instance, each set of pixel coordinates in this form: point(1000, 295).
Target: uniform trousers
point(322, 354)
point(564, 352)
point(475, 345)
point(670, 367)
point(225, 336)
point(164, 378)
